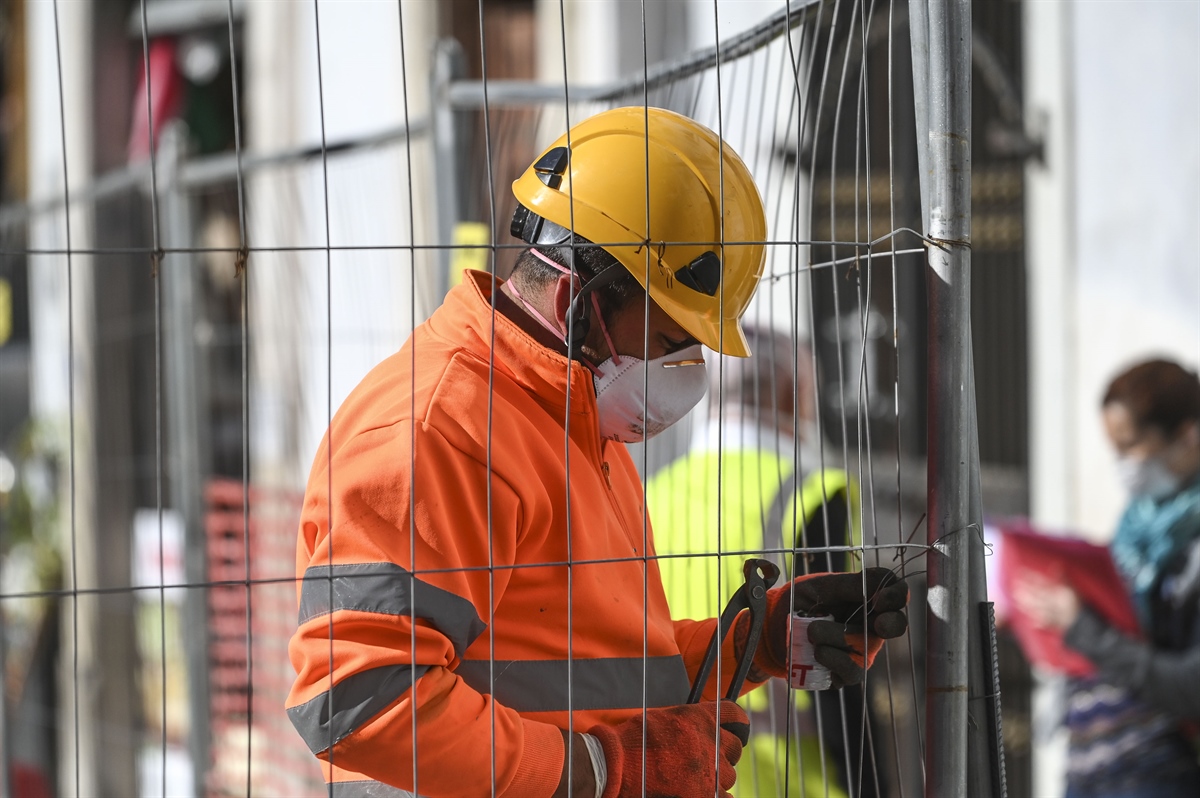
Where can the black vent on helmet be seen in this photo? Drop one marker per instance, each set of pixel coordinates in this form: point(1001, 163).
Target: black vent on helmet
point(550, 166)
point(703, 274)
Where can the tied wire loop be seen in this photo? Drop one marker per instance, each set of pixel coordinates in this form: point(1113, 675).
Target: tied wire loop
point(945, 244)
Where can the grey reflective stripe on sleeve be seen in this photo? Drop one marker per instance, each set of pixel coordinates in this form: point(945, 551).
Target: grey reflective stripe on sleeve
point(367, 789)
point(356, 699)
point(388, 589)
point(607, 683)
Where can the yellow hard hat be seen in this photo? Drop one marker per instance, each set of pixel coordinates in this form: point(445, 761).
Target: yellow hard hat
point(702, 273)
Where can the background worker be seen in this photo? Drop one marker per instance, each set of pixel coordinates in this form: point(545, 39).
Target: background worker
point(1132, 726)
point(444, 645)
point(759, 444)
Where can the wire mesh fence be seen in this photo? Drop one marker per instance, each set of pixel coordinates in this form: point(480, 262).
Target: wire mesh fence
point(201, 312)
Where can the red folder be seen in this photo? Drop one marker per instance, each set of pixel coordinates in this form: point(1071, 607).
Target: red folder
point(1084, 566)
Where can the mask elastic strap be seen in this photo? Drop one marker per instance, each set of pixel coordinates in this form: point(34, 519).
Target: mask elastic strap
point(616, 358)
point(612, 350)
point(534, 311)
point(552, 264)
point(546, 322)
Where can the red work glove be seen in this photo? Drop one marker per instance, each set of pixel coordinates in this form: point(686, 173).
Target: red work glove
point(680, 758)
point(846, 645)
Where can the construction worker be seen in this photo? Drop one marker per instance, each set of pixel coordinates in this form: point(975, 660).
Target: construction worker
point(481, 611)
point(759, 444)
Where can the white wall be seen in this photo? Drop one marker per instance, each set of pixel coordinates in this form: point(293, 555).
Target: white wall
point(1137, 70)
point(1050, 259)
point(62, 333)
point(1113, 228)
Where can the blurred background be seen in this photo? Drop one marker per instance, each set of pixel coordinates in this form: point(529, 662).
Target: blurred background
point(176, 330)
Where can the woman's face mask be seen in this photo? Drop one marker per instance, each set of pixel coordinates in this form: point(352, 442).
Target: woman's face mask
point(1148, 477)
point(629, 412)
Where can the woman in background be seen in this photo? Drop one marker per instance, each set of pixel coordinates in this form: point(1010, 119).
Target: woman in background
point(1131, 725)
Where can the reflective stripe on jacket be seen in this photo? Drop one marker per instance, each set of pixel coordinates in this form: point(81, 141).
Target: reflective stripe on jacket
point(444, 497)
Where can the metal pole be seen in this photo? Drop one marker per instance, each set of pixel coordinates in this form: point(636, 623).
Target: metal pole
point(187, 442)
point(5, 740)
point(449, 65)
point(918, 37)
point(944, 65)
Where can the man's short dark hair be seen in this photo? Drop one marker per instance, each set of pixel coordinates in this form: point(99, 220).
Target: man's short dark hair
point(589, 259)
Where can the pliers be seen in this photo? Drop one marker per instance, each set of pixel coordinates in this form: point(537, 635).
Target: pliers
point(752, 595)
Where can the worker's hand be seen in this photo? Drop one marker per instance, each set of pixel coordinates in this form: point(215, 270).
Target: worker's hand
point(682, 757)
point(847, 645)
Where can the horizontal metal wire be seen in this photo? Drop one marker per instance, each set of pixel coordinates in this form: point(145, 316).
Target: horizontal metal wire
point(473, 94)
point(844, 261)
point(725, 553)
point(484, 247)
point(201, 172)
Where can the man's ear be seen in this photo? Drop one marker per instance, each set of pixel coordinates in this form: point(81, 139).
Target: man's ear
point(562, 301)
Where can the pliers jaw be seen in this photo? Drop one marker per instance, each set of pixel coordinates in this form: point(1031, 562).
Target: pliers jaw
point(759, 575)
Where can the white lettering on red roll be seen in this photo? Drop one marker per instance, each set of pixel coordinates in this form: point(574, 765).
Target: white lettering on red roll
point(805, 673)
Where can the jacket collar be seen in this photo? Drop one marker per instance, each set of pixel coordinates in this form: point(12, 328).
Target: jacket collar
point(468, 320)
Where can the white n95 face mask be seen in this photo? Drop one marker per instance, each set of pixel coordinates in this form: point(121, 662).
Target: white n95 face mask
point(1147, 477)
point(628, 413)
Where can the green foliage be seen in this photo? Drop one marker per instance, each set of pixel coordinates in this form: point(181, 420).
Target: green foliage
point(29, 512)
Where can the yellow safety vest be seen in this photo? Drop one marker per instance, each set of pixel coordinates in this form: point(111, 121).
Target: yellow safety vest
point(706, 506)
point(709, 507)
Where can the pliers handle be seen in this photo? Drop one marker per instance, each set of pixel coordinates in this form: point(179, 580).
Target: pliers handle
point(752, 595)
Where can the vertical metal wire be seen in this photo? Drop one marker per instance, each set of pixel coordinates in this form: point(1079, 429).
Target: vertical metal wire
point(760, 478)
point(646, 394)
point(569, 764)
point(837, 315)
point(62, 118)
point(721, 315)
point(866, 739)
point(806, 108)
point(241, 270)
point(328, 378)
point(157, 261)
point(887, 654)
point(824, 508)
point(412, 410)
point(787, 59)
point(491, 193)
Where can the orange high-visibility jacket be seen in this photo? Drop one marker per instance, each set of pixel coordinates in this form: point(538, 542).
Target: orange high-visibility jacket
point(443, 492)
